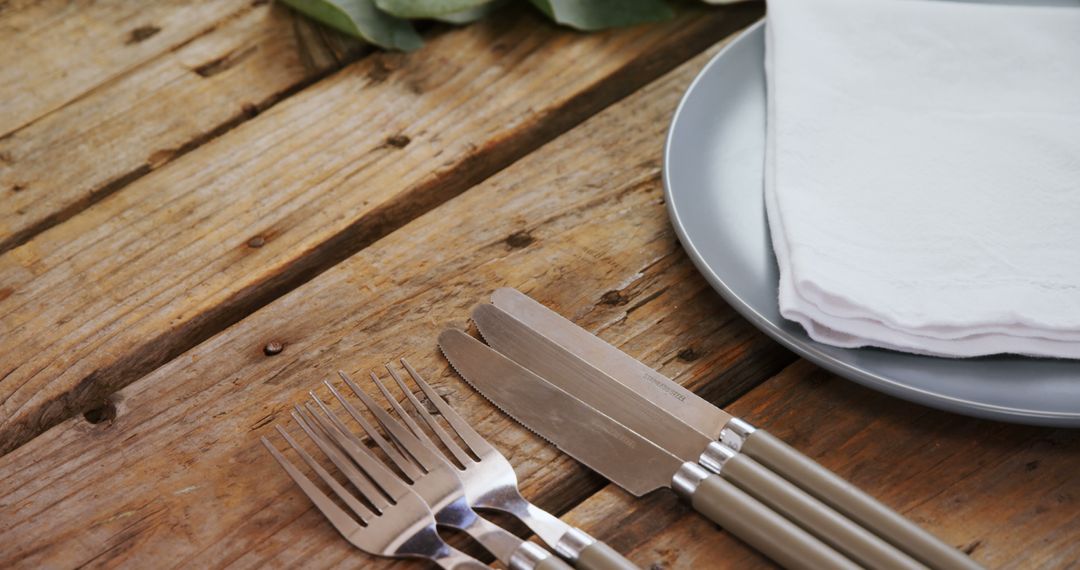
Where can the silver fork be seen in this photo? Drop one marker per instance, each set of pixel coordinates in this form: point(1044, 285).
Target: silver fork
point(437, 482)
point(393, 522)
point(490, 482)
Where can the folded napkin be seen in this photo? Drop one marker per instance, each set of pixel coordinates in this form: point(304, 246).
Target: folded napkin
point(923, 174)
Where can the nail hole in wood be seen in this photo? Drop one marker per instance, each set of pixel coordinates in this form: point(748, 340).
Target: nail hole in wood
point(688, 355)
point(142, 33)
point(256, 242)
point(518, 240)
point(613, 298)
point(101, 414)
point(398, 141)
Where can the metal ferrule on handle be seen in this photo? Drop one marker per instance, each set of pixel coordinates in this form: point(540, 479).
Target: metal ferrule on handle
point(735, 432)
point(587, 553)
point(844, 497)
point(754, 523)
point(575, 545)
point(531, 556)
point(523, 555)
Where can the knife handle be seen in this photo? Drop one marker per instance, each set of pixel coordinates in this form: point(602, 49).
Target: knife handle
point(846, 498)
point(754, 523)
point(850, 539)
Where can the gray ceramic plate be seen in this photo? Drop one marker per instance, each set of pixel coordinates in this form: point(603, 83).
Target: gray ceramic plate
point(713, 181)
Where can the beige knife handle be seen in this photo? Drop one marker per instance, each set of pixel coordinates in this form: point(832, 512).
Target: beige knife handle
point(857, 505)
point(754, 523)
point(850, 539)
point(599, 556)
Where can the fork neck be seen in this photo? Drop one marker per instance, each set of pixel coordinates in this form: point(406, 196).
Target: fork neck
point(564, 539)
point(451, 558)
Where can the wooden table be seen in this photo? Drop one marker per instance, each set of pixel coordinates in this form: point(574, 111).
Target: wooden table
point(187, 184)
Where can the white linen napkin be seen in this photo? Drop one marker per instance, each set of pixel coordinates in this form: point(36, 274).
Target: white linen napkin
point(923, 174)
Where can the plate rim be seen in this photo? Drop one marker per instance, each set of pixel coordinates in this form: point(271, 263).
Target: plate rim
point(809, 350)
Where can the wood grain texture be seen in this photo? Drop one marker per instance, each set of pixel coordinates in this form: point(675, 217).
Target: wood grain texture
point(67, 49)
point(178, 475)
point(146, 116)
point(1005, 494)
point(94, 303)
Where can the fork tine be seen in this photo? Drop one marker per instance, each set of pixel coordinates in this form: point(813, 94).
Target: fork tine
point(369, 404)
point(357, 507)
point(459, 454)
point(413, 426)
point(377, 499)
point(476, 443)
point(407, 467)
point(424, 456)
point(372, 466)
point(345, 524)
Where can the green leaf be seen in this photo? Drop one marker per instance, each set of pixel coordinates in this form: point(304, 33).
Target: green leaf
point(471, 15)
point(360, 18)
point(600, 14)
point(426, 8)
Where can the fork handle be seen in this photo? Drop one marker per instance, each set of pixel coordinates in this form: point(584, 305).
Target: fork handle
point(530, 556)
point(599, 556)
point(573, 542)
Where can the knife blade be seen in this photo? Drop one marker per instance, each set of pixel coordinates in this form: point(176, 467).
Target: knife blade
point(604, 445)
point(662, 391)
point(625, 457)
point(691, 411)
point(574, 375)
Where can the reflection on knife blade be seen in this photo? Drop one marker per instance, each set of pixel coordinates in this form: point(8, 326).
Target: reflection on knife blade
point(551, 362)
point(660, 390)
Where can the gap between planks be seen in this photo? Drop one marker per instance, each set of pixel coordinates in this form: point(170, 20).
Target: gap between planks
point(180, 259)
point(183, 451)
point(151, 114)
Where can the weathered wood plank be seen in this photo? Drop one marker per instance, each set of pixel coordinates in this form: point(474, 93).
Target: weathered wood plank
point(179, 475)
point(60, 50)
point(129, 283)
point(144, 117)
point(1006, 494)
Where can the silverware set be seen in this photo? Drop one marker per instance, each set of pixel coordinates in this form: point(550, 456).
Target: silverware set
point(399, 502)
point(609, 411)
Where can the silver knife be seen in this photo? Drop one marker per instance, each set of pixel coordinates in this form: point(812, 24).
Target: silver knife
point(693, 413)
point(551, 362)
point(628, 459)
